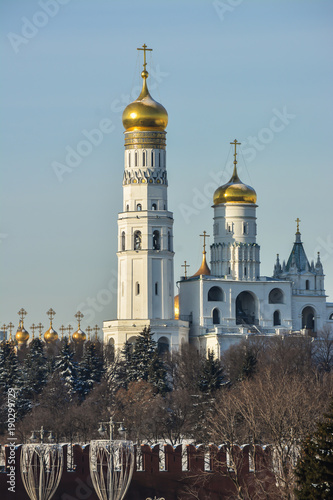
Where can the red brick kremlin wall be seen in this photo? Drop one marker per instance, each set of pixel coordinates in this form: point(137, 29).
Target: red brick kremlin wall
point(205, 472)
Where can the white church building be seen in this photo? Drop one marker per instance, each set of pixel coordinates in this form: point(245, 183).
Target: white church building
point(221, 304)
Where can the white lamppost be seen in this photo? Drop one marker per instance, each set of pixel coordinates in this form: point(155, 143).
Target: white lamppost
point(111, 463)
point(41, 466)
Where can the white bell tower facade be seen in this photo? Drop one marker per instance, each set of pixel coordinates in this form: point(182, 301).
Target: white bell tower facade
point(145, 250)
point(145, 230)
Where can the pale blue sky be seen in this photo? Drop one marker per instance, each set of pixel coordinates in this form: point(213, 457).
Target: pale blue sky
point(223, 70)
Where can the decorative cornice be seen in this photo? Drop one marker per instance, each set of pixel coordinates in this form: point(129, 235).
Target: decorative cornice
point(145, 139)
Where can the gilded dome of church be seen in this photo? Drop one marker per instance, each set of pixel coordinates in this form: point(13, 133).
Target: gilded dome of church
point(50, 335)
point(79, 336)
point(145, 113)
point(235, 191)
point(22, 335)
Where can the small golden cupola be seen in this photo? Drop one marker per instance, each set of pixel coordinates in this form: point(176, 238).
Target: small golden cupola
point(21, 336)
point(50, 335)
point(203, 269)
point(145, 113)
point(79, 336)
point(235, 191)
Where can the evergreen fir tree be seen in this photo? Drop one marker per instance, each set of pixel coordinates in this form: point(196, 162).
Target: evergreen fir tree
point(158, 374)
point(35, 368)
point(141, 362)
point(10, 374)
point(211, 377)
point(90, 369)
point(143, 354)
point(11, 378)
point(67, 368)
point(126, 371)
point(314, 470)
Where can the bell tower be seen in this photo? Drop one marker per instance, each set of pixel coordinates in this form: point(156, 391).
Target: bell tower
point(235, 253)
point(145, 225)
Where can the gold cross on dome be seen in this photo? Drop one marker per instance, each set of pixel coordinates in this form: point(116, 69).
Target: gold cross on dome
point(62, 329)
point(21, 314)
point(10, 327)
point(89, 330)
point(96, 330)
point(51, 315)
point(79, 316)
point(186, 266)
point(298, 220)
point(235, 153)
point(33, 328)
point(144, 48)
point(204, 236)
point(40, 328)
point(69, 328)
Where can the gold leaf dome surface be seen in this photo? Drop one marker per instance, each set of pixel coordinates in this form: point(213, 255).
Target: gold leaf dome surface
point(22, 335)
point(50, 335)
point(145, 113)
point(235, 191)
point(79, 336)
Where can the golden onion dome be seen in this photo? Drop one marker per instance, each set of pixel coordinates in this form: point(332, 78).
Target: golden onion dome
point(79, 336)
point(145, 113)
point(50, 335)
point(235, 191)
point(21, 336)
point(176, 306)
point(203, 269)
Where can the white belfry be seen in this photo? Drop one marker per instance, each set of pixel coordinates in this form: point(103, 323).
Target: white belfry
point(145, 230)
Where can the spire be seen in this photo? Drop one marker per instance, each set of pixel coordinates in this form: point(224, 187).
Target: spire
point(204, 269)
point(277, 267)
point(319, 266)
point(298, 256)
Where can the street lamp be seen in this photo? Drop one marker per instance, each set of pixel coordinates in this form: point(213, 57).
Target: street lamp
point(41, 466)
point(111, 462)
point(103, 430)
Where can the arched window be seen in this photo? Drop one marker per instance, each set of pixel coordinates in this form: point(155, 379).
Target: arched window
point(127, 208)
point(137, 240)
point(309, 318)
point(152, 159)
point(144, 158)
point(156, 288)
point(331, 316)
point(137, 288)
point(244, 228)
point(156, 240)
point(163, 346)
point(123, 240)
point(154, 206)
point(215, 294)
point(169, 241)
point(277, 318)
point(216, 317)
point(136, 158)
point(129, 159)
point(276, 296)
point(307, 285)
point(245, 271)
point(139, 207)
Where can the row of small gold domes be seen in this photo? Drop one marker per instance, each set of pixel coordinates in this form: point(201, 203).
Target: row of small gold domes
point(50, 336)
